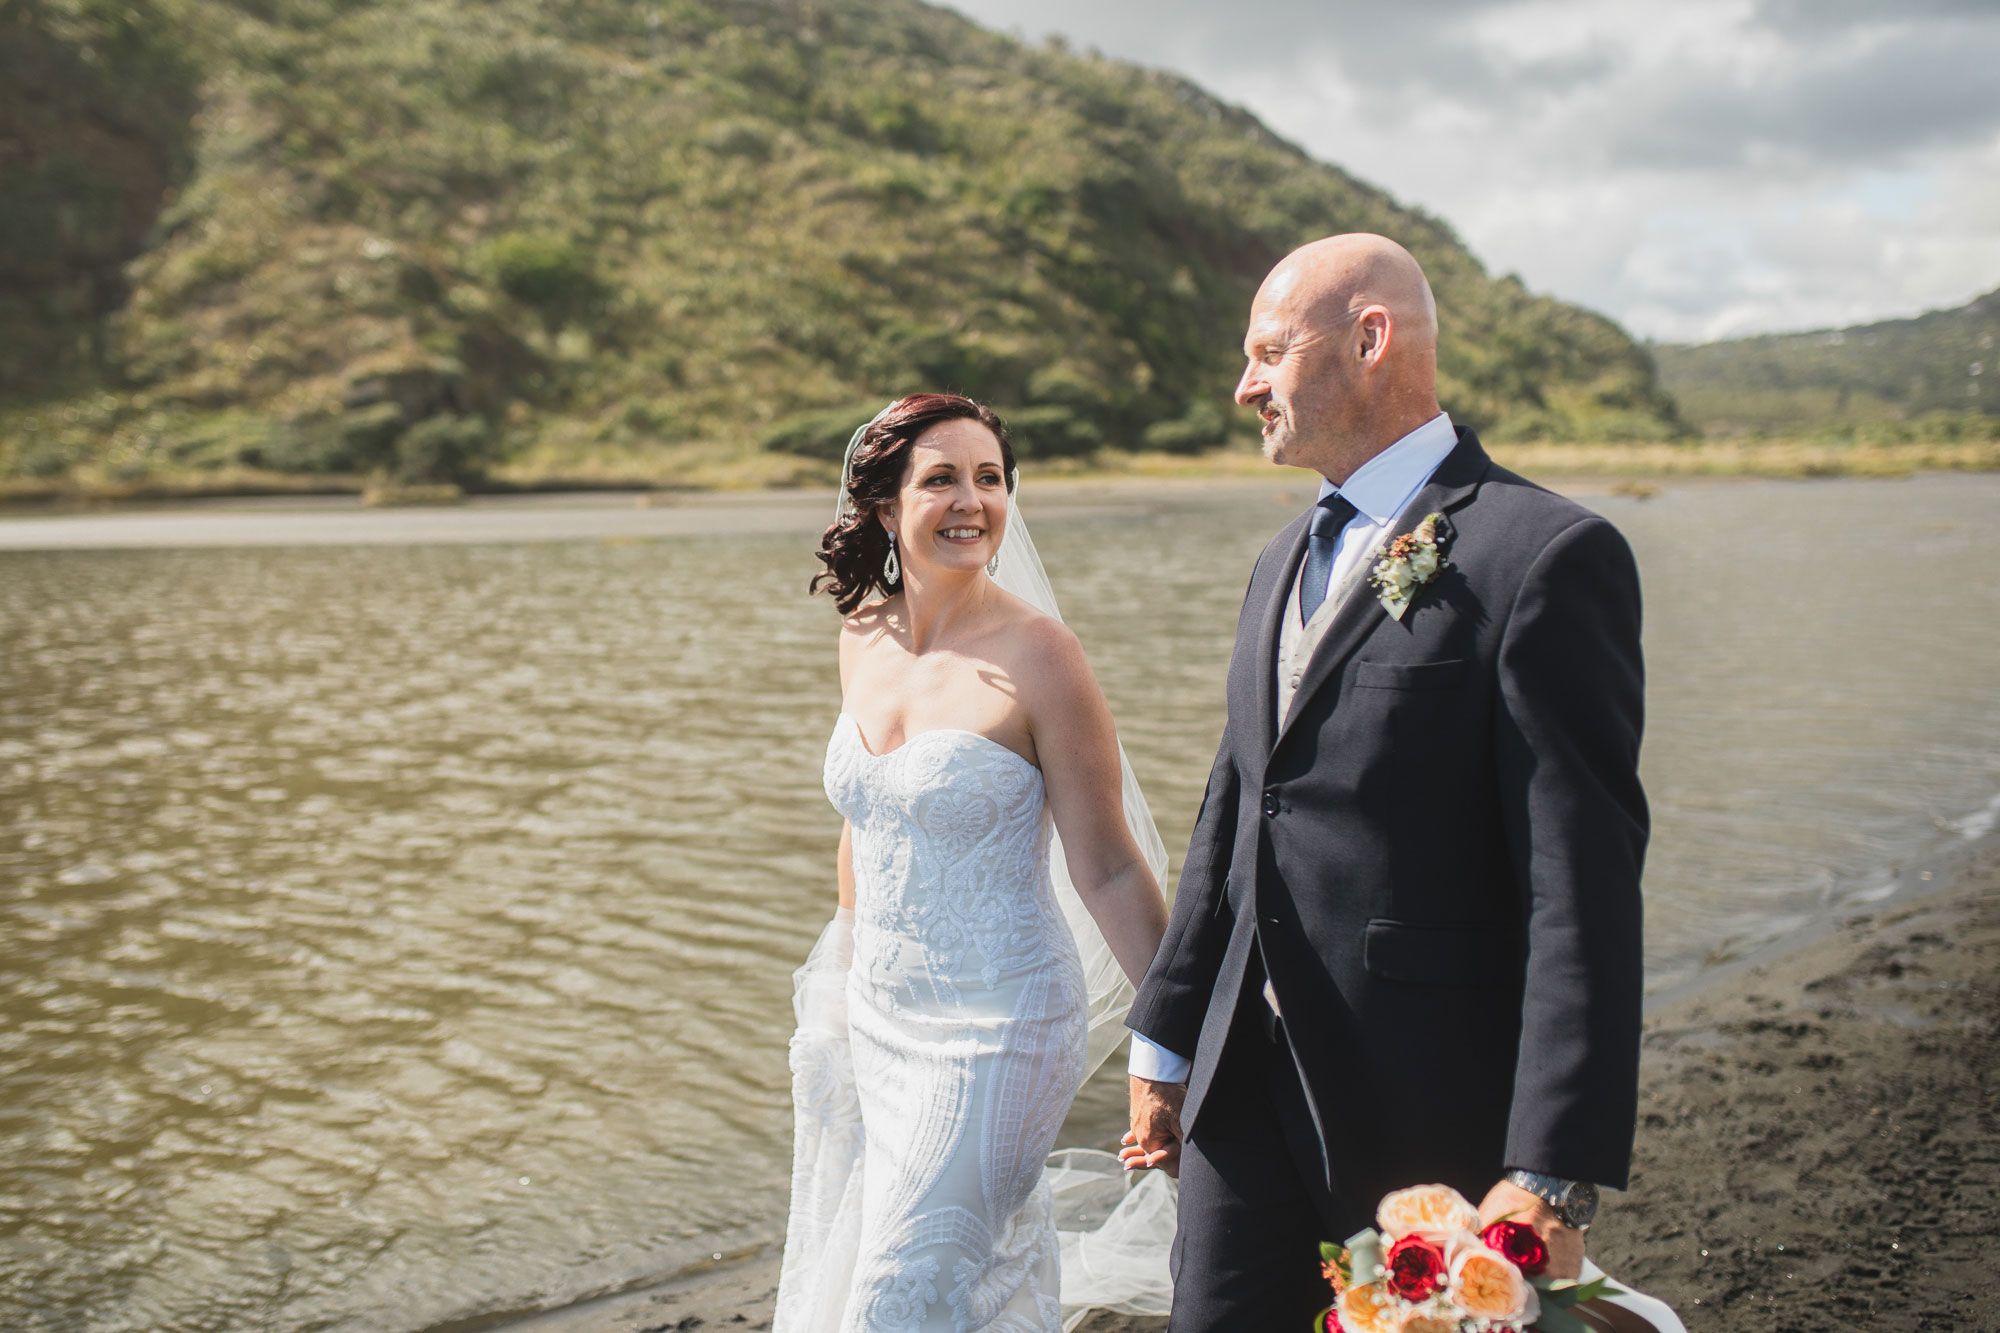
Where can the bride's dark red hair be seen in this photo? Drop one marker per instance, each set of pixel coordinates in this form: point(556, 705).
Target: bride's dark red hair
point(855, 548)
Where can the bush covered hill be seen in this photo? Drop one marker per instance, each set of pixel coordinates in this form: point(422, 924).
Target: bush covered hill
point(1934, 377)
point(669, 240)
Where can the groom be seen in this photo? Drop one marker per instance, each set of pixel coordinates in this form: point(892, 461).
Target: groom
point(1406, 944)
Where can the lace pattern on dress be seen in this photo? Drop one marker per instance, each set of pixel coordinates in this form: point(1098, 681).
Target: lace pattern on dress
point(919, 1199)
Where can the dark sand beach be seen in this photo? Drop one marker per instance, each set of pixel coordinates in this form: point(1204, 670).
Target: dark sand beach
point(1819, 1141)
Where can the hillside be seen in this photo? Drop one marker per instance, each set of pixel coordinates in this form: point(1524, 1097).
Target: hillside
point(668, 241)
point(1934, 376)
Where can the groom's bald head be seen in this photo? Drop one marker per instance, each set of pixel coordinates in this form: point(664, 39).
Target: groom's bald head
point(1341, 274)
point(1342, 353)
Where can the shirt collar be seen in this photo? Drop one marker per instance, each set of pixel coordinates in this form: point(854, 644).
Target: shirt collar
point(1381, 486)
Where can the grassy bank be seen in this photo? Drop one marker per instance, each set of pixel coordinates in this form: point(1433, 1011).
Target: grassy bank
point(687, 468)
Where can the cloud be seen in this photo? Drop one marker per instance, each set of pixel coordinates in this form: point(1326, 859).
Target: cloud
point(1696, 169)
point(1864, 102)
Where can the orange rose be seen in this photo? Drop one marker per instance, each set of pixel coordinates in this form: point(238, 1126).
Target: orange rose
point(1436, 1212)
point(1428, 1323)
point(1367, 1307)
point(1485, 1283)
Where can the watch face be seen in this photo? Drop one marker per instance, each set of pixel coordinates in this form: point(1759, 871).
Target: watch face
point(1579, 1203)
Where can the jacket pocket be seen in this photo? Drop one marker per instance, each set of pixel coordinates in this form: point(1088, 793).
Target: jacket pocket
point(1445, 675)
point(1441, 955)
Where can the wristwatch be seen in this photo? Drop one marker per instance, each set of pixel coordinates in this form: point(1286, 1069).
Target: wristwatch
point(1574, 1201)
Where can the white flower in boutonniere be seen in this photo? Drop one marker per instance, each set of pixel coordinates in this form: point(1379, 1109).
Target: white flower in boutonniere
point(1406, 563)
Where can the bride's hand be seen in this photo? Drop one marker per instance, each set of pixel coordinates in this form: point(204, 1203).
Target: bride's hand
point(1154, 1141)
point(1565, 1244)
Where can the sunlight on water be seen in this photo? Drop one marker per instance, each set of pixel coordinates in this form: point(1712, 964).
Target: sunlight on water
point(393, 934)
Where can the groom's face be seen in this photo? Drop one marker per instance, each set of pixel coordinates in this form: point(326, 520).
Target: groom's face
point(1295, 377)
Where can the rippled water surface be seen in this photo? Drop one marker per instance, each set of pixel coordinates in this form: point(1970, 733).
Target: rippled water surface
point(394, 933)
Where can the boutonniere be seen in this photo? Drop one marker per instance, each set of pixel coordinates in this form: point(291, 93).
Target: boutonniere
point(1407, 563)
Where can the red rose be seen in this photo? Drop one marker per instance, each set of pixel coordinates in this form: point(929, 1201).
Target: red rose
point(1416, 1268)
point(1519, 1243)
point(1333, 1324)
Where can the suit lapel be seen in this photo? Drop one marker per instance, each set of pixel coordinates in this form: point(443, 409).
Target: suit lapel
point(1277, 601)
point(1455, 482)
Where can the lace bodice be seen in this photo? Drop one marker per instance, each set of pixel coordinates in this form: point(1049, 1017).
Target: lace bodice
point(951, 846)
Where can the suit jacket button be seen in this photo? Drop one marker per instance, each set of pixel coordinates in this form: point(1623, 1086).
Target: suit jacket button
point(1271, 804)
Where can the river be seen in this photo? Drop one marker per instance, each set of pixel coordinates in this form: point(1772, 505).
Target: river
point(397, 910)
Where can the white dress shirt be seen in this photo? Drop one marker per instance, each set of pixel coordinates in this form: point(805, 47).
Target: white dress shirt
point(1379, 490)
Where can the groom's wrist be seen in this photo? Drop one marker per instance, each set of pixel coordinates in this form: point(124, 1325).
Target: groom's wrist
point(1155, 1063)
point(1574, 1202)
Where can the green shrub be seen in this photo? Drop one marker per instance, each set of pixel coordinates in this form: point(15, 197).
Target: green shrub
point(43, 457)
point(361, 440)
point(821, 433)
point(1051, 432)
point(1205, 426)
point(546, 271)
point(746, 139)
point(443, 449)
point(1066, 386)
point(895, 119)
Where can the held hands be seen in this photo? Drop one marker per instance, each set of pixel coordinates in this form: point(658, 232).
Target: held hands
point(1510, 1201)
point(1154, 1141)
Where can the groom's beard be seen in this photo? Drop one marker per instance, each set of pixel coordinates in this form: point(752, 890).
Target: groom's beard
point(1278, 437)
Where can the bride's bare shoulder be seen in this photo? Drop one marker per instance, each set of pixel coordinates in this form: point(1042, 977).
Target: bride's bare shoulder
point(871, 619)
point(867, 625)
point(1044, 649)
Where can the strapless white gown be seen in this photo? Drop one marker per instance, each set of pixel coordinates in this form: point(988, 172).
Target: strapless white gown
point(941, 1040)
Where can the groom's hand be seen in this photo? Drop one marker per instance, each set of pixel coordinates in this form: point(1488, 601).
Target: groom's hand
point(1154, 1141)
point(1510, 1201)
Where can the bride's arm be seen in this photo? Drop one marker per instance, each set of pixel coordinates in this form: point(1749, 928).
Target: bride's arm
point(844, 865)
point(1077, 747)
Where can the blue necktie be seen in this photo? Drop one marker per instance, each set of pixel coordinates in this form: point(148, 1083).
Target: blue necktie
point(1329, 518)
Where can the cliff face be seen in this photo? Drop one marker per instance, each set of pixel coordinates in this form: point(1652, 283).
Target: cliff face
point(95, 108)
point(422, 235)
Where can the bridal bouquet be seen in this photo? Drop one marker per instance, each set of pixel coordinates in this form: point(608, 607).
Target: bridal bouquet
point(1432, 1269)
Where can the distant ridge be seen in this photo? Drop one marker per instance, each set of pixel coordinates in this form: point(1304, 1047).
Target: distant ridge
point(682, 241)
point(1937, 373)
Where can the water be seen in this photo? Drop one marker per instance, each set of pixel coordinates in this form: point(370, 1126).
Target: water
point(394, 933)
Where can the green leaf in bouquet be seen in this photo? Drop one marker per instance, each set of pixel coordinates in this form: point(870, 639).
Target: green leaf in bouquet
point(1319, 1320)
point(1598, 1286)
point(1329, 1253)
point(1555, 1319)
point(1568, 1291)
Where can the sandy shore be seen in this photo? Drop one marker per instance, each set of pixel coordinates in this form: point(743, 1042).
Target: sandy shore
point(1819, 1136)
point(1819, 1142)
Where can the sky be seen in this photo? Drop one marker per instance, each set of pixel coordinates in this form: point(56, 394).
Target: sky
point(1696, 169)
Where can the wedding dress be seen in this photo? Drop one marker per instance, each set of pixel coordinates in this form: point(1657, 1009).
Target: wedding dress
point(942, 1034)
point(944, 1026)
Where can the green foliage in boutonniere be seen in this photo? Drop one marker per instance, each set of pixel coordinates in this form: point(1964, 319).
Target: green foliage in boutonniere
point(1407, 563)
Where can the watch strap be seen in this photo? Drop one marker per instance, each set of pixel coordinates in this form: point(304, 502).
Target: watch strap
point(1574, 1202)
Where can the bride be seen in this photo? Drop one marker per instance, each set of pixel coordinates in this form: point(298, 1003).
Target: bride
point(980, 961)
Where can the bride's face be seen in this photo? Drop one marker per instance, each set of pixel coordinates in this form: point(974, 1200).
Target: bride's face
point(951, 511)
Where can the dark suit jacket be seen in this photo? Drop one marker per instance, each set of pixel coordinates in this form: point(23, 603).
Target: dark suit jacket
point(1437, 857)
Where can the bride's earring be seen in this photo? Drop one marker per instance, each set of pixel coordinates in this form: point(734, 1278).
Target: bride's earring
point(993, 565)
point(892, 568)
